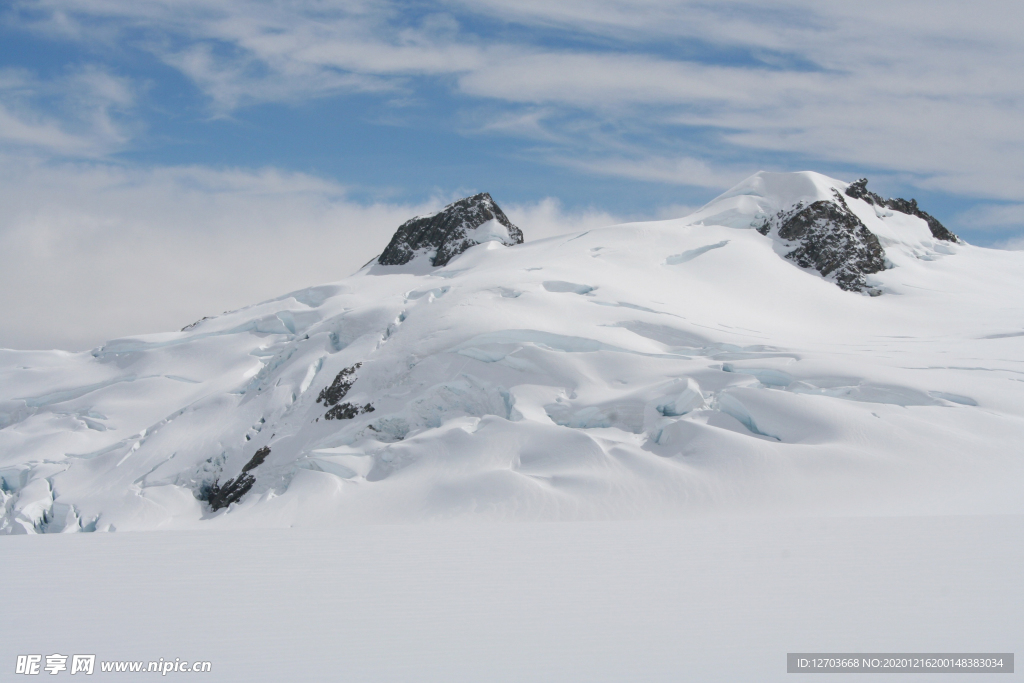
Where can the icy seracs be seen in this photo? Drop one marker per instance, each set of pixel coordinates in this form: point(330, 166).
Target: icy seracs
point(644, 370)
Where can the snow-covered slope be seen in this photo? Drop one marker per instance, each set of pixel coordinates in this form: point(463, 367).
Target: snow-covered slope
point(641, 370)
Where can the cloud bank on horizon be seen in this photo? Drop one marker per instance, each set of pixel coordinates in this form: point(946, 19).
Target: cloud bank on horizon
point(164, 160)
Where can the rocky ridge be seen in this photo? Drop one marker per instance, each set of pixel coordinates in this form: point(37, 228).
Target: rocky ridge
point(829, 238)
point(859, 190)
point(451, 231)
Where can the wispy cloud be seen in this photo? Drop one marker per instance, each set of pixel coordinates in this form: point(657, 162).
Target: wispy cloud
point(75, 114)
point(931, 90)
point(670, 170)
point(994, 217)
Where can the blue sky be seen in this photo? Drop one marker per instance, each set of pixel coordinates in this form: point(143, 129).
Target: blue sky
point(161, 160)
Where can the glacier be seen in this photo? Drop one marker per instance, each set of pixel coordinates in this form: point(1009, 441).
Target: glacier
point(655, 370)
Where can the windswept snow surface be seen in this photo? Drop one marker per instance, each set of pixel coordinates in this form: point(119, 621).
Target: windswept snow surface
point(647, 370)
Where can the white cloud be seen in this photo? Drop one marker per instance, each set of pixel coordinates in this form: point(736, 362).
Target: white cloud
point(548, 218)
point(241, 52)
point(825, 31)
point(1012, 244)
point(993, 217)
point(942, 128)
point(29, 129)
point(676, 171)
point(90, 252)
point(929, 89)
point(75, 114)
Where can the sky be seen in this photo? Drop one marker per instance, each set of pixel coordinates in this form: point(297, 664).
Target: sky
point(162, 160)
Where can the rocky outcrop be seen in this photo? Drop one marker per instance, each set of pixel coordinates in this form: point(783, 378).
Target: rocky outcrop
point(233, 489)
point(193, 325)
point(451, 231)
point(331, 396)
point(859, 190)
point(829, 238)
point(346, 411)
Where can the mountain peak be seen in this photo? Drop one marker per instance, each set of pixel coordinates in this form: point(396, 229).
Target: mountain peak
point(451, 231)
point(841, 230)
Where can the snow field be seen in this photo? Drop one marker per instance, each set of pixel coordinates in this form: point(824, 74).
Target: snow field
point(708, 599)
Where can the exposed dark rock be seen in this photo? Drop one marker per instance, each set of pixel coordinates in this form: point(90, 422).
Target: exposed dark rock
point(832, 241)
point(257, 459)
point(447, 233)
point(346, 411)
point(191, 325)
point(859, 190)
point(233, 489)
point(332, 395)
point(342, 383)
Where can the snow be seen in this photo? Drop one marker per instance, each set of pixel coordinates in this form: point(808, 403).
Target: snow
point(664, 369)
point(489, 231)
point(753, 460)
point(705, 599)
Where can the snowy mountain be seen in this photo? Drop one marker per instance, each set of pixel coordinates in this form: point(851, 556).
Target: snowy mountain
point(451, 231)
point(728, 360)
